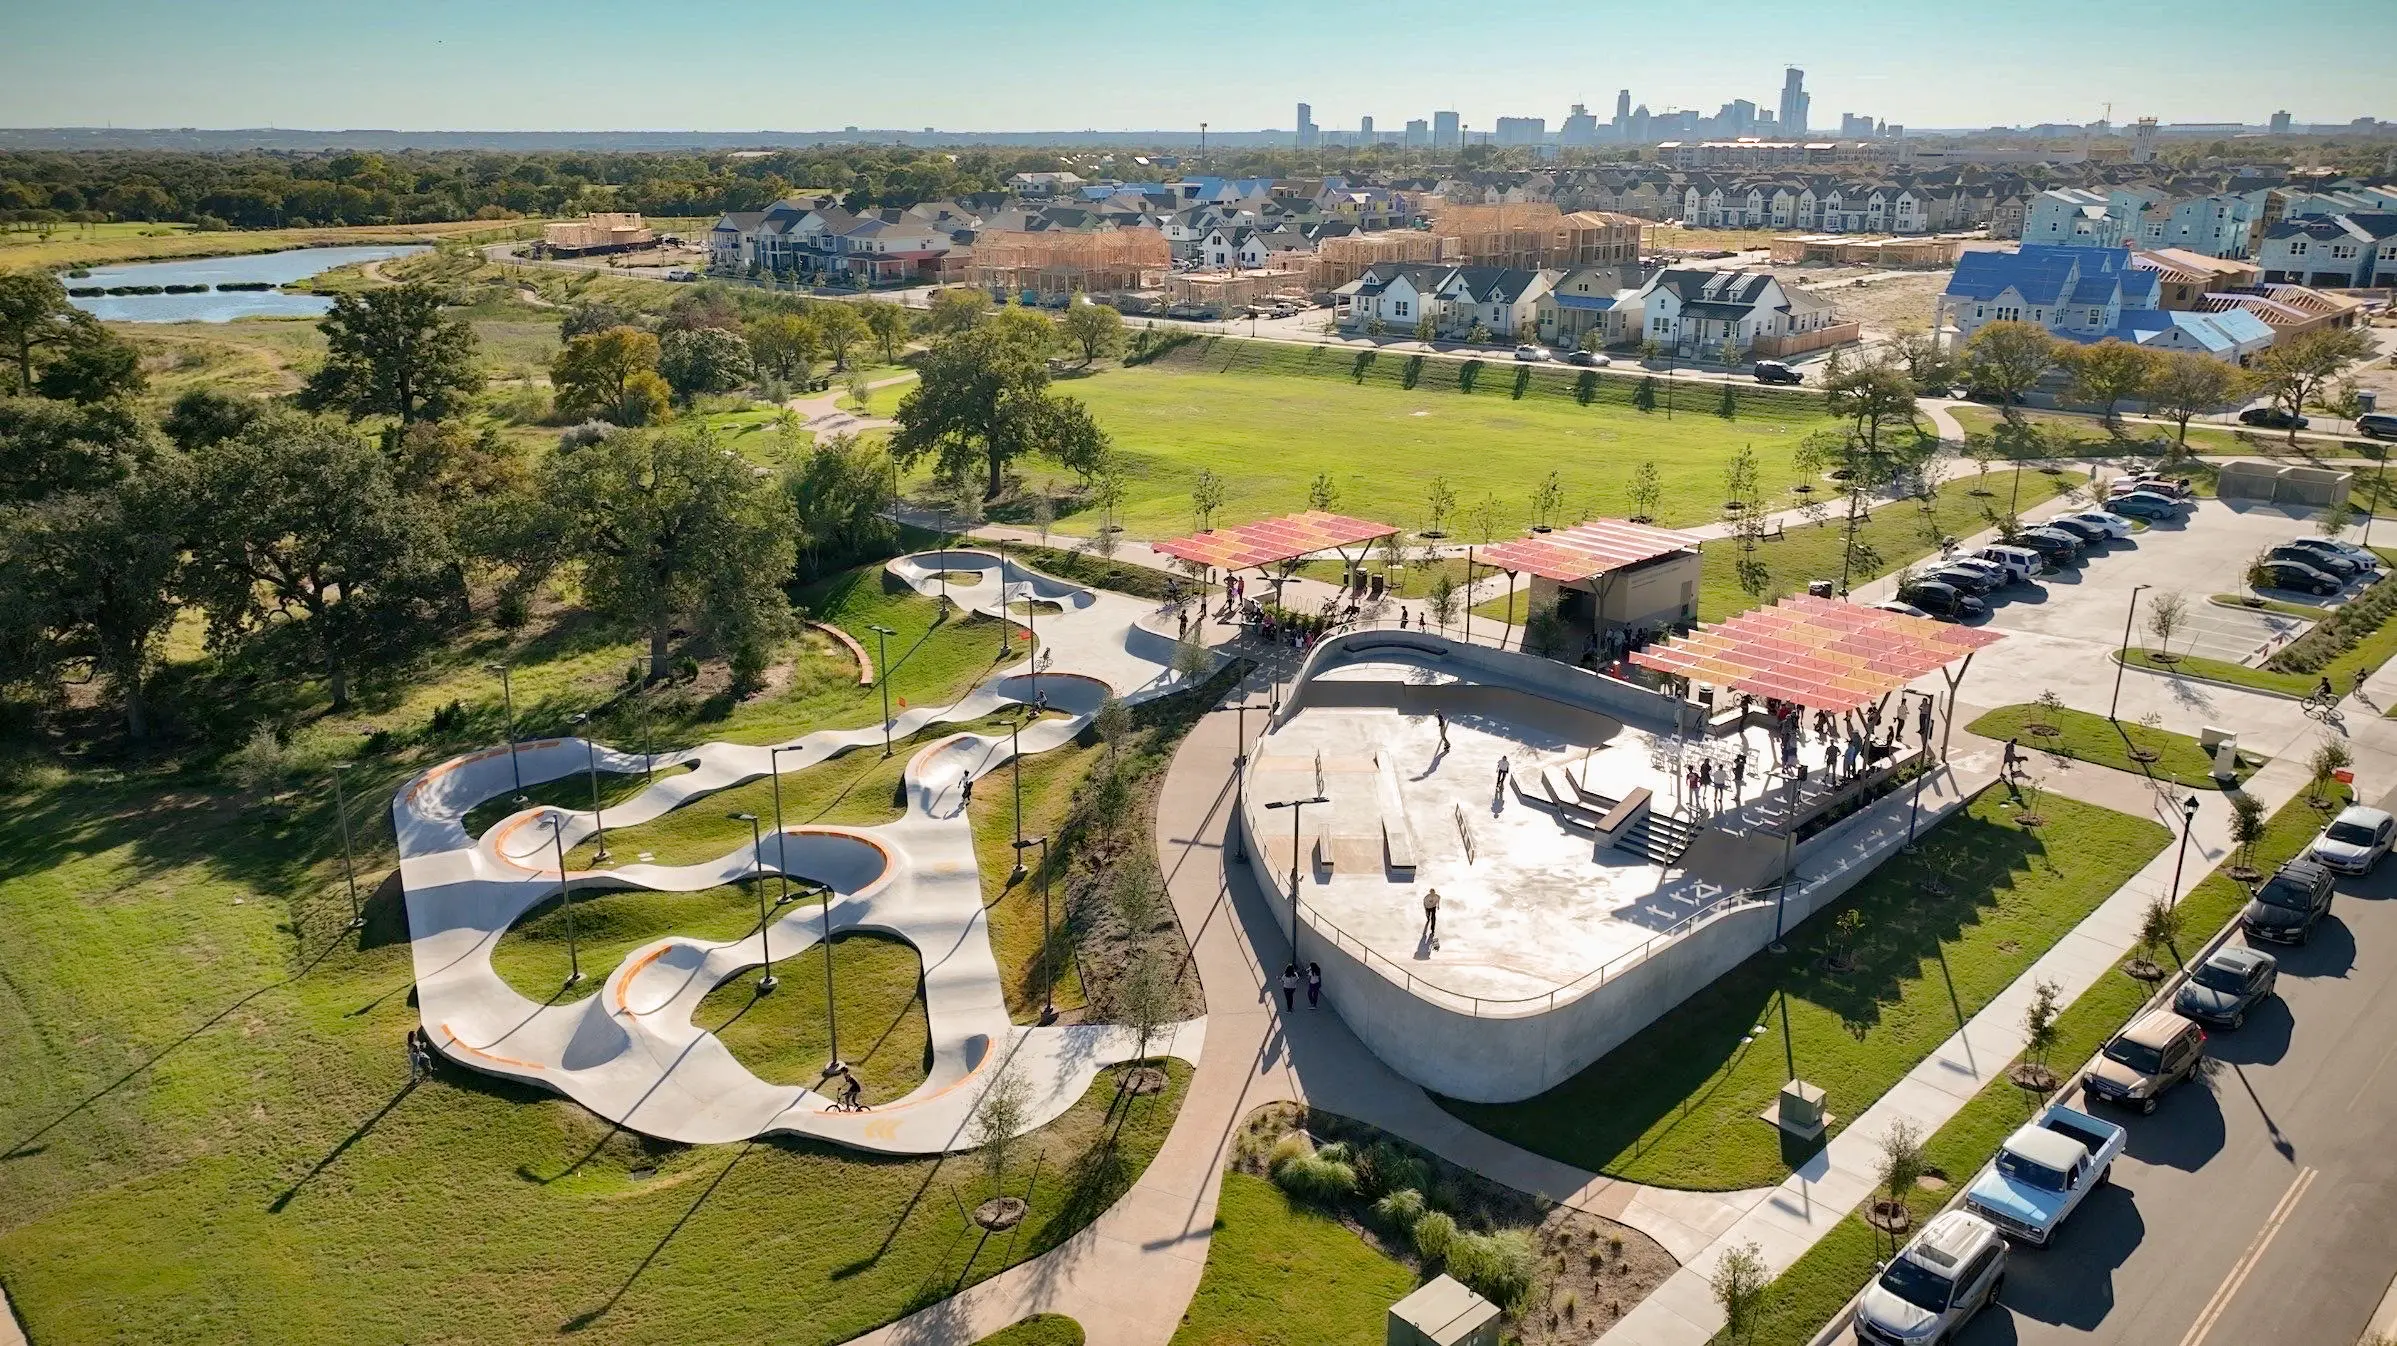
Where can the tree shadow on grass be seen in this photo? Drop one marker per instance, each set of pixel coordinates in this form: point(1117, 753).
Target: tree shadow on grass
point(590, 1317)
point(276, 1207)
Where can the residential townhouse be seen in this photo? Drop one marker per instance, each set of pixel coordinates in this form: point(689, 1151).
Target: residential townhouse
point(2072, 216)
point(2086, 295)
point(1587, 299)
point(1399, 295)
point(814, 238)
point(2336, 252)
point(1697, 313)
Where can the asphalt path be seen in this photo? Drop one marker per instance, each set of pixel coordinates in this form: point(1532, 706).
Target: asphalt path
point(2254, 1206)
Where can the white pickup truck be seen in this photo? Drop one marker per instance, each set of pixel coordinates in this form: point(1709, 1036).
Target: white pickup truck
point(2043, 1171)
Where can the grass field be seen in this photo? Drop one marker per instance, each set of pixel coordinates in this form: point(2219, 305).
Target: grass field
point(134, 242)
point(1268, 418)
point(1041, 1329)
point(1279, 1274)
point(1677, 1104)
point(1897, 534)
point(1814, 1287)
point(2107, 743)
point(2086, 437)
point(878, 1000)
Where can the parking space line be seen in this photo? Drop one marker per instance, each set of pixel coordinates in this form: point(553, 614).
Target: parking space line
point(2223, 1295)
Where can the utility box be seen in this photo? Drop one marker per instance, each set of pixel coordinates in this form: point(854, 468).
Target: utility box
point(1442, 1312)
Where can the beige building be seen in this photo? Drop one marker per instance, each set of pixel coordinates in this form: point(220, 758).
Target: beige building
point(610, 231)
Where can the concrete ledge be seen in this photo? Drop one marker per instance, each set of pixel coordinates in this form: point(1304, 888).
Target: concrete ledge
point(865, 665)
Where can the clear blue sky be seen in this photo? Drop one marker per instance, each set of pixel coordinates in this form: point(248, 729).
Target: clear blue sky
point(1116, 64)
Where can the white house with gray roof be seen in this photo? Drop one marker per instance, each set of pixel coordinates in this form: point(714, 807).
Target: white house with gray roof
point(1697, 312)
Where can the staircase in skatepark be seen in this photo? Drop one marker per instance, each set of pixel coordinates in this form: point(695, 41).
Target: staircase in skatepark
point(1660, 837)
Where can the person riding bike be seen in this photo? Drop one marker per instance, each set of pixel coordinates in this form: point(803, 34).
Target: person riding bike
point(2323, 692)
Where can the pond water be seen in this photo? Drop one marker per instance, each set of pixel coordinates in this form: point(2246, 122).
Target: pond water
point(273, 268)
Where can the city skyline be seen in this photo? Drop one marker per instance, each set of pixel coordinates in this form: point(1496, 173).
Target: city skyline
point(444, 65)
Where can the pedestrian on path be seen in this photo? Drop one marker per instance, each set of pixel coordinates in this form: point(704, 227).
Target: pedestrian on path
point(1502, 770)
point(1922, 724)
point(1441, 718)
point(1289, 986)
point(1314, 986)
point(2011, 766)
point(1739, 773)
point(1431, 917)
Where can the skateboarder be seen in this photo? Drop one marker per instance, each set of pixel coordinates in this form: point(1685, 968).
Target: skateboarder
point(1431, 916)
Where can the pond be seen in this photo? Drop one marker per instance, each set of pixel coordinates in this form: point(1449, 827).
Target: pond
point(218, 305)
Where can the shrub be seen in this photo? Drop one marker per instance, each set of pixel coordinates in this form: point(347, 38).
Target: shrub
point(587, 433)
point(1501, 1268)
point(1399, 1211)
point(1433, 1234)
point(1336, 1152)
point(1315, 1178)
point(261, 761)
point(1389, 1168)
point(1293, 1145)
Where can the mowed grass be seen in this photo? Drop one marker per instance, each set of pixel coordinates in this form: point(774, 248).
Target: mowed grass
point(1267, 419)
point(1898, 534)
point(1677, 1105)
point(2107, 743)
point(2088, 437)
point(1280, 1274)
point(784, 1037)
point(209, 1129)
point(1806, 1295)
point(1041, 1329)
point(534, 955)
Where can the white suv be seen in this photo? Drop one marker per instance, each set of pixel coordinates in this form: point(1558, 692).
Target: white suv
point(1932, 1288)
point(2020, 563)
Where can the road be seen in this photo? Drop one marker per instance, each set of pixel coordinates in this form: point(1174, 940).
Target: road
point(2253, 1207)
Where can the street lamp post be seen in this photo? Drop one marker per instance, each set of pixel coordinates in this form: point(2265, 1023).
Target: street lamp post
point(507, 697)
point(781, 838)
point(574, 957)
point(1015, 764)
point(1006, 629)
point(1240, 784)
point(1296, 807)
point(832, 1022)
point(1789, 845)
point(1914, 800)
point(2188, 820)
point(2123, 655)
point(582, 722)
point(882, 675)
point(349, 863)
point(757, 869)
point(1048, 968)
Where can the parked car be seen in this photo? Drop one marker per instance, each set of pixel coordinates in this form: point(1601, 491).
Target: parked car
point(2141, 505)
point(2299, 576)
point(2176, 488)
point(2144, 1060)
point(1773, 371)
point(2338, 567)
point(2043, 1172)
point(1975, 582)
point(1933, 1287)
point(2377, 424)
point(2109, 526)
point(1997, 575)
point(2364, 558)
point(2234, 980)
point(1902, 609)
point(2058, 546)
point(2271, 418)
point(1943, 600)
point(1530, 353)
point(2023, 563)
point(2290, 904)
point(1588, 359)
point(2355, 840)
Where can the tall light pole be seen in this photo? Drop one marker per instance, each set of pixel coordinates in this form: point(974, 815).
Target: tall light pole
point(349, 864)
point(1006, 628)
point(1240, 784)
point(2123, 656)
point(1789, 845)
point(582, 722)
point(757, 868)
point(832, 1022)
point(2373, 503)
point(882, 675)
point(574, 957)
point(1296, 807)
point(507, 698)
point(1048, 969)
point(1015, 738)
point(2188, 820)
point(781, 838)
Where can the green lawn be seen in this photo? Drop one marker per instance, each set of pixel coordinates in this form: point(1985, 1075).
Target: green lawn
point(1041, 1329)
point(571, 792)
point(1897, 534)
point(2108, 743)
point(1280, 1274)
point(532, 955)
point(878, 1001)
point(1267, 418)
point(1677, 1105)
point(2374, 648)
point(2086, 437)
point(1814, 1287)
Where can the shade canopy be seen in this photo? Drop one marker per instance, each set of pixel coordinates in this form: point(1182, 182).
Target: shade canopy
point(1587, 550)
point(1816, 652)
point(1268, 541)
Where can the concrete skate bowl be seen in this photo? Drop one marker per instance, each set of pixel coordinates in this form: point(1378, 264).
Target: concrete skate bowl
point(921, 572)
point(1421, 674)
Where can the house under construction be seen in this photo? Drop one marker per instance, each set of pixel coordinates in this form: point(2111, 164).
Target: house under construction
point(1062, 263)
point(1220, 293)
point(1535, 236)
point(1340, 260)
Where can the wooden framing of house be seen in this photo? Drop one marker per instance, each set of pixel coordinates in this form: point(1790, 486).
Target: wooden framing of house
point(1066, 262)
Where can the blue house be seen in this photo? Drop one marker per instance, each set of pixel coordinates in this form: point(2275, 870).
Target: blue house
point(2086, 295)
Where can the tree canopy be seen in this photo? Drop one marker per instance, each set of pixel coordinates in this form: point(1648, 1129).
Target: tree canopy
point(88, 580)
point(983, 401)
point(2009, 358)
point(592, 373)
point(703, 360)
point(393, 352)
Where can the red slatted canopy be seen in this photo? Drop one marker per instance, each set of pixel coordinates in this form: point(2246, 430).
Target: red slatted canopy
point(1268, 541)
point(1586, 550)
point(1816, 652)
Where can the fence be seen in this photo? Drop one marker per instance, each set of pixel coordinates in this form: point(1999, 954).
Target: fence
point(1837, 334)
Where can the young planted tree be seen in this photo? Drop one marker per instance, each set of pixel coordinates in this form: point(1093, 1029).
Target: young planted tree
point(1645, 492)
point(1206, 497)
point(392, 352)
point(2167, 616)
point(2335, 519)
point(1744, 511)
point(2249, 822)
point(1323, 493)
point(2159, 927)
point(1441, 597)
point(1425, 328)
point(1483, 518)
point(1439, 501)
point(2009, 358)
point(2040, 1036)
point(1001, 1116)
point(1545, 499)
point(1739, 1283)
point(2329, 758)
point(1144, 1002)
point(2109, 373)
point(2186, 385)
point(1902, 1163)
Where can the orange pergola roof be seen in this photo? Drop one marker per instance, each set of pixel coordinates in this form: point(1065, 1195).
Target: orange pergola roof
point(1586, 550)
point(1816, 652)
point(1270, 540)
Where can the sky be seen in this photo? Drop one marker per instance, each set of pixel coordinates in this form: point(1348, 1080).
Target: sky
point(1136, 64)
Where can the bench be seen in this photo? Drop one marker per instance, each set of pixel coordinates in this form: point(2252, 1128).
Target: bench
point(1323, 852)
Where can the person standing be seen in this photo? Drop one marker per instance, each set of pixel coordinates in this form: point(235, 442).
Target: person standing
point(1314, 986)
point(2012, 765)
point(1739, 773)
point(1441, 717)
point(1431, 917)
point(1289, 986)
point(1706, 780)
point(1922, 724)
point(1502, 770)
point(1689, 786)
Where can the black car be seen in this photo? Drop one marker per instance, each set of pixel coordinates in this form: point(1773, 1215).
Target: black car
point(2090, 534)
point(1942, 600)
point(1959, 577)
point(1773, 371)
point(2322, 546)
point(2271, 418)
point(2055, 544)
point(2299, 576)
point(2290, 904)
point(1586, 359)
point(2226, 986)
point(2329, 563)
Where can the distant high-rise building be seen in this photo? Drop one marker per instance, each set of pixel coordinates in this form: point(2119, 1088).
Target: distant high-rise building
point(2143, 140)
point(1447, 131)
point(1522, 130)
point(2280, 123)
point(1793, 102)
point(1306, 127)
point(1364, 130)
point(1580, 129)
point(1853, 127)
point(1419, 134)
point(1642, 128)
point(1623, 105)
